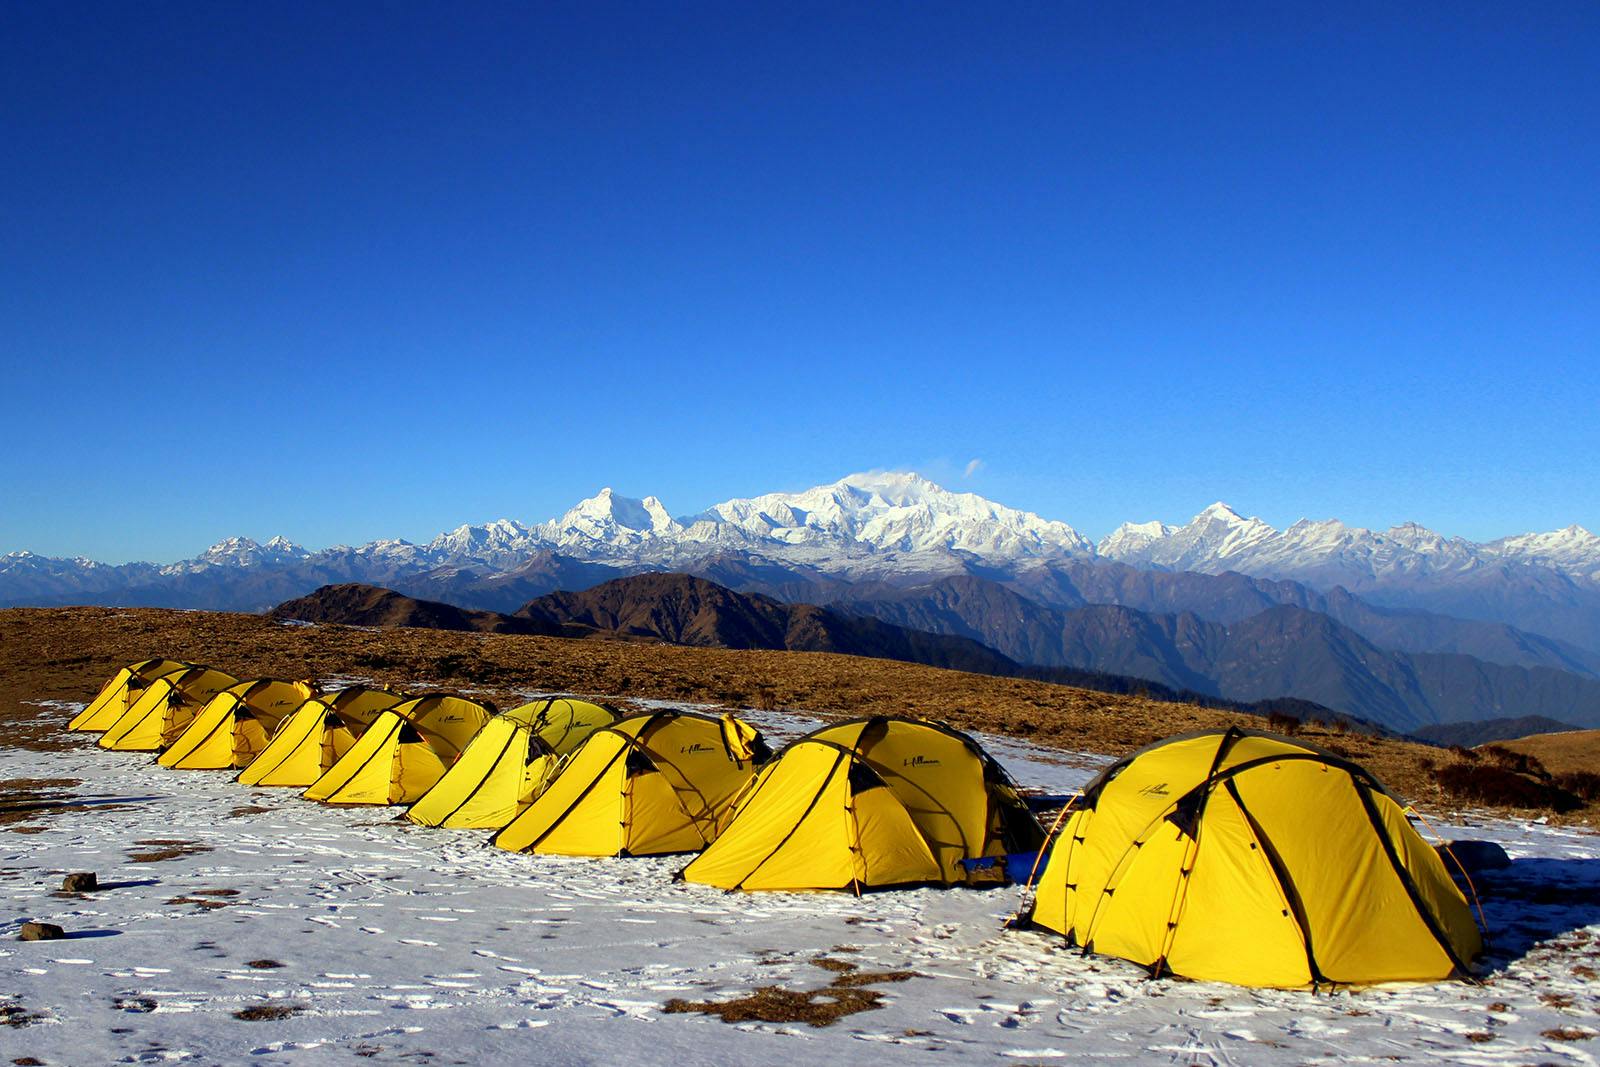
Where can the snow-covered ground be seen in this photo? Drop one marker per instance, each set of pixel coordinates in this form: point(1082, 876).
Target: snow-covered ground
point(399, 944)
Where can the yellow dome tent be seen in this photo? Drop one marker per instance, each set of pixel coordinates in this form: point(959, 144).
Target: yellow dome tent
point(119, 693)
point(404, 752)
point(647, 785)
point(165, 709)
point(509, 763)
point(312, 739)
point(866, 804)
point(1247, 858)
point(234, 726)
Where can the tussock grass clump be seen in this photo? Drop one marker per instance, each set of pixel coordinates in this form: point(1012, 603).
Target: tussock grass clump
point(1516, 762)
point(1582, 784)
point(1483, 783)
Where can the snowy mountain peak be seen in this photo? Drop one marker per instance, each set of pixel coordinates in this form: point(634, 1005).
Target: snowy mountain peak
point(1132, 538)
point(609, 520)
point(877, 525)
point(240, 552)
point(886, 512)
point(1219, 511)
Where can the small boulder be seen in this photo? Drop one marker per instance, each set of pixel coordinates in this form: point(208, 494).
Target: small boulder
point(80, 882)
point(41, 932)
point(1475, 856)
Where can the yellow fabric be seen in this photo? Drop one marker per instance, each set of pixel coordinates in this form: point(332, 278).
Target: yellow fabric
point(403, 753)
point(312, 739)
point(646, 785)
point(233, 728)
point(563, 723)
point(739, 738)
point(119, 693)
point(365, 774)
point(921, 801)
point(501, 772)
point(164, 709)
point(1271, 875)
point(803, 826)
point(935, 775)
point(580, 813)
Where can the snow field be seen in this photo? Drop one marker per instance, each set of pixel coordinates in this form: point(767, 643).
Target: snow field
point(398, 944)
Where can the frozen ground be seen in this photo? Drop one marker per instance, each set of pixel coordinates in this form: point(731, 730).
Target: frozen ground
point(399, 944)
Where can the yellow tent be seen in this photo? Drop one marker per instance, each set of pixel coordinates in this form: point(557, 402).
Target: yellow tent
point(233, 727)
point(509, 763)
point(165, 709)
point(649, 784)
point(866, 804)
point(404, 752)
point(119, 693)
point(1247, 858)
point(311, 740)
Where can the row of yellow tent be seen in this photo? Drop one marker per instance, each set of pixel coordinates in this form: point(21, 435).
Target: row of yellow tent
point(859, 805)
point(1228, 855)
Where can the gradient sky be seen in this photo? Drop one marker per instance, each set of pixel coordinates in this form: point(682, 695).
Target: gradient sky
point(343, 271)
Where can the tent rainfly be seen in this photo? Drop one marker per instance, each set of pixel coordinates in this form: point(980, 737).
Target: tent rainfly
point(404, 752)
point(867, 804)
point(311, 740)
point(233, 727)
point(649, 784)
point(119, 693)
point(509, 763)
point(1242, 857)
point(165, 709)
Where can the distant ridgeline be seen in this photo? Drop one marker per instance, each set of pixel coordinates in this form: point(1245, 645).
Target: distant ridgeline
point(681, 609)
point(1402, 627)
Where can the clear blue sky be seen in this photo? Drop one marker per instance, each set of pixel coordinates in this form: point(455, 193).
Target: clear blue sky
point(343, 271)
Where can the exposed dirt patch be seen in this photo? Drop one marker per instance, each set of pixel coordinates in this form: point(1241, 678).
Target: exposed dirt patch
point(257, 1013)
point(137, 1005)
point(263, 965)
point(845, 995)
point(15, 1015)
point(25, 799)
point(1567, 1033)
point(249, 809)
point(199, 902)
point(160, 849)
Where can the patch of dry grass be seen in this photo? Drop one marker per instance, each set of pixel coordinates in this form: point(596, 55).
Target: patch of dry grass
point(67, 653)
point(257, 1013)
point(161, 849)
point(845, 995)
point(25, 799)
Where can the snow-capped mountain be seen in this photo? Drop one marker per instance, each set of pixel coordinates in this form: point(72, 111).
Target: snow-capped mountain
point(241, 552)
point(1220, 539)
point(888, 512)
point(1217, 533)
point(898, 528)
point(861, 523)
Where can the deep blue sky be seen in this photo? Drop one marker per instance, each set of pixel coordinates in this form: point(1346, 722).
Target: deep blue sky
point(346, 271)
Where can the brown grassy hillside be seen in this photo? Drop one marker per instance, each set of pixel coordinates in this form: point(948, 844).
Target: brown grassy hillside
point(1561, 753)
point(66, 653)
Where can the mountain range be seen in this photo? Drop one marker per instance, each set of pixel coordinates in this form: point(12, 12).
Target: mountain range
point(871, 541)
point(685, 610)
